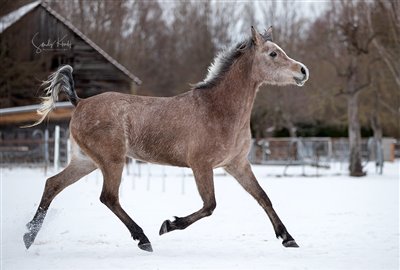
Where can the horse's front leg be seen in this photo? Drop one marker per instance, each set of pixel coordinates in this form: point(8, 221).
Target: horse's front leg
point(242, 172)
point(205, 184)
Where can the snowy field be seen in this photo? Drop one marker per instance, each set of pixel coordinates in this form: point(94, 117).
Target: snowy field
point(339, 222)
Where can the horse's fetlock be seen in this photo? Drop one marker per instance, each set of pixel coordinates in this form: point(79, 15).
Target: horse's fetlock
point(139, 235)
point(281, 232)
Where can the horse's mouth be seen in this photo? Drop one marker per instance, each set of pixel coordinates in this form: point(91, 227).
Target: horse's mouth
point(299, 82)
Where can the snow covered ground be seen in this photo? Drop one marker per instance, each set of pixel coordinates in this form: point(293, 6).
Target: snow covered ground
point(339, 222)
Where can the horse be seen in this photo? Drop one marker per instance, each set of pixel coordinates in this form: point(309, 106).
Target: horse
point(204, 128)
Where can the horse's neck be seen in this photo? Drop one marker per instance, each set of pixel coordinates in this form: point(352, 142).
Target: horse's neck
point(236, 92)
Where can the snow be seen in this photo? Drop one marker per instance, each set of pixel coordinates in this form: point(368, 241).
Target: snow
point(339, 222)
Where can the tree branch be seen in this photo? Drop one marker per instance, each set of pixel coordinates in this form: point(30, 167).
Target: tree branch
point(369, 80)
point(389, 108)
point(362, 86)
point(337, 69)
point(382, 50)
point(341, 92)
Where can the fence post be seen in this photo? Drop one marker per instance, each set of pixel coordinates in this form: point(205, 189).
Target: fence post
point(46, 150)
point(69, 150)
point(56, 147)
point(163, 179)
point(183, 182)
point(330, 150)
point(344, 149)
point(148, 176)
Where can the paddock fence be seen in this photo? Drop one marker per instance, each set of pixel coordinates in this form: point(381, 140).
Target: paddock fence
point(51, 147)
point(42, 148)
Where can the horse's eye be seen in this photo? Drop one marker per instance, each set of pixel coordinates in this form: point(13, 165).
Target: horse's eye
point(273, 54)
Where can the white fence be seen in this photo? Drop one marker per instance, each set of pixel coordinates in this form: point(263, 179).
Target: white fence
point(52, 147)
point(318, 152)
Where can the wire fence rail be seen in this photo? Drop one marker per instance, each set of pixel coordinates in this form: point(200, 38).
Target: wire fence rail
point(48, 148)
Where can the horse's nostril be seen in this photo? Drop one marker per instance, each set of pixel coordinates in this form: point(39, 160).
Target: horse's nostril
point(303, 71)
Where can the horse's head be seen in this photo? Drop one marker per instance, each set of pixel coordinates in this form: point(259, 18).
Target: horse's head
point(271, 64)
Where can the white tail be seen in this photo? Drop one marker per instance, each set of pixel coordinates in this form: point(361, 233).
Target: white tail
point(61, 80)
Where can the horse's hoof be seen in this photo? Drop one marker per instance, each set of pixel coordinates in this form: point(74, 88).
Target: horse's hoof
point(146, 247)
point(165, 227)
point(290, 243)
point(28, 239)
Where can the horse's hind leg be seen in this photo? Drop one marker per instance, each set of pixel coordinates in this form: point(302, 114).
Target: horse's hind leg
point(205, 185)
point(75, 170)
point(242, 172)
point(112, 172)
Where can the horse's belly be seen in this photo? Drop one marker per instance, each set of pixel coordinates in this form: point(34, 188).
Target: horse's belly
point(158, 156)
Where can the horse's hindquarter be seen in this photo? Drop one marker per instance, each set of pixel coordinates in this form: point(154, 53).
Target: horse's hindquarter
point(97, 126)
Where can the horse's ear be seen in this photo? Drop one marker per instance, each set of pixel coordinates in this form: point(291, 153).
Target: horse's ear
point(267, 35)
point(255, 36)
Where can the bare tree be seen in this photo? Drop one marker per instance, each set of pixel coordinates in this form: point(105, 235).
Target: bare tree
point(286, 104)
point(148, 49)
point(377, 128)
point(384, 19)
point(353, 40)
point(169, 45)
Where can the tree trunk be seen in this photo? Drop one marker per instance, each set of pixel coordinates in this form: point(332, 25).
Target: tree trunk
point(377, 129)
point(288, 123)
point(354, 128)
point(291, 128)
point(355, 166)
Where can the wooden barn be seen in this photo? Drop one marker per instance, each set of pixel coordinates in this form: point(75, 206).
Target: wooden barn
point(34, 41)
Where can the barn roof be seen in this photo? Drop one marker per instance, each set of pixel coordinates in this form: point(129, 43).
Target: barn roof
point(11, 18)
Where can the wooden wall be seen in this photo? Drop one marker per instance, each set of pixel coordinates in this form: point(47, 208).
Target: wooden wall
point(22, 67)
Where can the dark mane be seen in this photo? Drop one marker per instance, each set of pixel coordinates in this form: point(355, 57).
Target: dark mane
point(222, 64)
